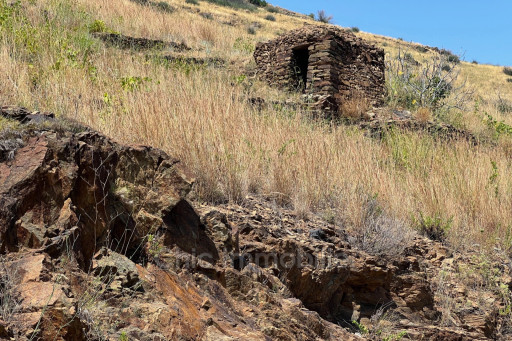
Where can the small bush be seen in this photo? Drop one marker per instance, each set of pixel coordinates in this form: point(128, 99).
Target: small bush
point(192, 2)
point(421, 48)
point(499, 127)
point(381, 234)
point(206, 15)
point(97, 26)
point(270, 17)
point(474, 62)
point(244, 45)
point(132, 83)
point(259, 3)
point(272, 9)
point(435, 228)
point(355, 29)
point(323, 17)
point(251, 30)
point(311, 15)
point(503, 106)
point(237, 4)
point(454, 59)
point(509, 80)
point(163, 6)
point(507, 70)
point(432, 85)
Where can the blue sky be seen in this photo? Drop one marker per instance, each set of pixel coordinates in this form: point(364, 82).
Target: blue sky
point(477, 30)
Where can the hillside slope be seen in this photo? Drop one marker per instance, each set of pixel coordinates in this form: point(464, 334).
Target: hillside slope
point(194, 94)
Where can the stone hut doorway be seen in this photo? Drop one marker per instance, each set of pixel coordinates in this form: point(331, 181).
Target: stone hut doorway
point(300, 64)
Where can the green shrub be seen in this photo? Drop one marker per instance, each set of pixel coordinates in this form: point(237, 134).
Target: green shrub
point(311, 15)
point(507, 71)
point(454, 59)
point(132, 83)
point(244, 45)
point(270, 17)
point(192, 2)
point(499, 127)
point(431, 85)
point(163, 6)
point(474, 62)
point(251, 30)
point(259, 3)
point(97, 26)
point(434, 227)
point(237, 4)
point(272, 9)
point(141, 2)
point(355, 29)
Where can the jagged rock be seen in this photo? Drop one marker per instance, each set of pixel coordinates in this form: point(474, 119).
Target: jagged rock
point(116, 270)
point(378, 126)
point(56, 178)
point(76, 207)
point(215, 62)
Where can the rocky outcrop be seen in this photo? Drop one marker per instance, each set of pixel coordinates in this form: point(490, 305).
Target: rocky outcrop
point(126, 42)
point(378, 125)
point(99, 241)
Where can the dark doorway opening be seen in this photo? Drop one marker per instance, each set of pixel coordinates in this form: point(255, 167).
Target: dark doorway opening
point(301, 60)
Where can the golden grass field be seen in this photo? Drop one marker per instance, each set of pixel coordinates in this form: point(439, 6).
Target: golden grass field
point(49, 61)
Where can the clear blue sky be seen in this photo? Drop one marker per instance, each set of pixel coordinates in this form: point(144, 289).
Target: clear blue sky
point(478, 30)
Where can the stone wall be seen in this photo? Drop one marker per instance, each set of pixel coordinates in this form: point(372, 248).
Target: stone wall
point(339, 65)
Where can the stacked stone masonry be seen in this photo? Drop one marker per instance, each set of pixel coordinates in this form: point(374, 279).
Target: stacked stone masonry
point(324, 61)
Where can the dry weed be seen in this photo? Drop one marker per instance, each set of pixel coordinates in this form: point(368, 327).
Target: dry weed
point(355, 106)
point(423, 115)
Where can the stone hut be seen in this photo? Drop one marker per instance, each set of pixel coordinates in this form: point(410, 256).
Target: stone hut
point(324, 61)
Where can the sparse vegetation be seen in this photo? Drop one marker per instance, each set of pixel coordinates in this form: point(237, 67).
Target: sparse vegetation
point(323, 17)
point(9, 295)
point(434, 227)
point(237, 4)
point(163, 6)
point(507, 70)
point(270, 17)
point(433, 84)
point(355, 29)
point(259, 3)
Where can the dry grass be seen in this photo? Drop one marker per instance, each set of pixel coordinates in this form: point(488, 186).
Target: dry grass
point(355, 107)
point(201, 116)
point(423, 114)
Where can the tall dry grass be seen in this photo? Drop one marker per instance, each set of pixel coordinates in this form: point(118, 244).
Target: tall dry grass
point(202, 116)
